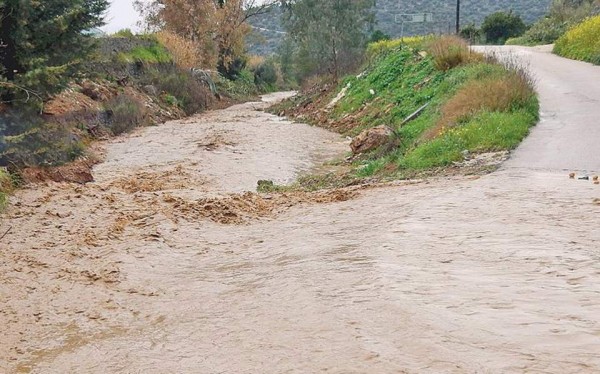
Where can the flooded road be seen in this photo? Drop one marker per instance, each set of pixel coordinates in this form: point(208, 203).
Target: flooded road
point(154, 268)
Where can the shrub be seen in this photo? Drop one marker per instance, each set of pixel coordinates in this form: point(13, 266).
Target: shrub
point(241, 88)
point(192, 95)
point(545, 31)
point(125, 113)
point(30, 141)
point(185, 53)
point(451, 51)
point(265, 75)
point(123, 33)
point(471, 33)
point(500, 26)
point(582, 42)
point(378, 36)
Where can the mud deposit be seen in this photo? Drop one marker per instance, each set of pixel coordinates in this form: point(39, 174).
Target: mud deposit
point(167, 263)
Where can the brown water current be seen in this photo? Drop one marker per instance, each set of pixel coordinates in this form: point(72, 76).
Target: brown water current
point(155, 268)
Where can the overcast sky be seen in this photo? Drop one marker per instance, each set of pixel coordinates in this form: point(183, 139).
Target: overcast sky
point(121, 15)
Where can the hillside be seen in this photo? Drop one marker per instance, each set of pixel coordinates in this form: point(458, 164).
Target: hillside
point(268, 28)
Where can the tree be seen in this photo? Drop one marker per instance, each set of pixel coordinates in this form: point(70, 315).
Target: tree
point(330, 35)
point(42, 44)
point(218, 27)
point(500, 26)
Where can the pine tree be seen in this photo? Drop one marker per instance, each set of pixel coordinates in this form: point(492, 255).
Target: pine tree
point(42, 43)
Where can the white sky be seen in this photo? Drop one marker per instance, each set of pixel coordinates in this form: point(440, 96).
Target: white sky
point(121, 15)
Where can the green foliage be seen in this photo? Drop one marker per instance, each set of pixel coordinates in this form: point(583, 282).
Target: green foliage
point(125, 113)
point(265, 74)
point(124, 33)
point(472, 33)
point(328, 36)
point(378, 36)
point(29, 140)
point(191, 95)
point(241, 88)
point(500, 26)
point(376, 49)
point(152, 54)
point(44, 43)
point(582, 42)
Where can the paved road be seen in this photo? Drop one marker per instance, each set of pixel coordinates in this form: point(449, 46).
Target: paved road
point(568, 135)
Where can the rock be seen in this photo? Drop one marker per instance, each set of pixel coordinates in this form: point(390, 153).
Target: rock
point(371, 139)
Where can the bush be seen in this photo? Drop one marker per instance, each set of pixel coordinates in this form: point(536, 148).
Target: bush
point(30, 141)
point(192, 95)
point(265, 75)
point(378, 36)
point(184, 52)
point(500, 26)
point(125, 113)
point(123, 33)
point(582, 42)
point(545, 31)
point(451, 51)
point(241, 88)
point(471, 33)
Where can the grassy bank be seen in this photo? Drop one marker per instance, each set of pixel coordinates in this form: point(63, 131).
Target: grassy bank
point(473, 105)
point(581, 42)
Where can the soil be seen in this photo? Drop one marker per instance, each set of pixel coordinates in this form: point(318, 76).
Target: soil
point(169, 262)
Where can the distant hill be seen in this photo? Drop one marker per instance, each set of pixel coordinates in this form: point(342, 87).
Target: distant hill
point(269, 31)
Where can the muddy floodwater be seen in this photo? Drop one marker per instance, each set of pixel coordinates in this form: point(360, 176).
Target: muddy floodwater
point(156, 268)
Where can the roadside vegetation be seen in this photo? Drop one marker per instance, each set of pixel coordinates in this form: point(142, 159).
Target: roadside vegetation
point(582, 42)
point(471, 104)
point(563, 15)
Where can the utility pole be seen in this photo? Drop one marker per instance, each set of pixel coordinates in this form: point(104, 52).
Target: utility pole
point(457, 17)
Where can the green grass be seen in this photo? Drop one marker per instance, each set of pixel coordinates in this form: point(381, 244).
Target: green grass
point(486, 132)
point(152, 54)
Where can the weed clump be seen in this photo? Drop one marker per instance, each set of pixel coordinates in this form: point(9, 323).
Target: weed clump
point(6, 186)
point(501, 94)
point(451, 51)
point(125, 113)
